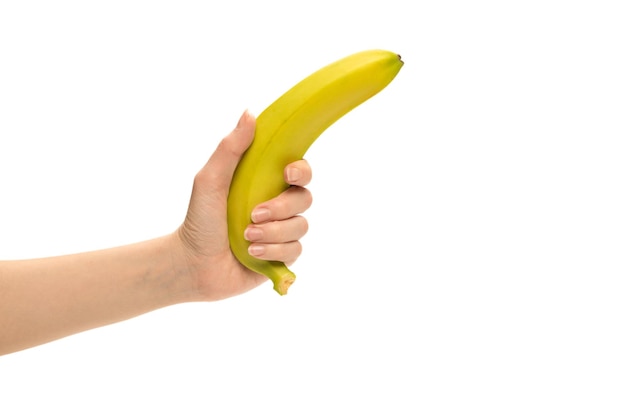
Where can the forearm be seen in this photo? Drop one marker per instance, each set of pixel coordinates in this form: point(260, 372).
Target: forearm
point(45, 299)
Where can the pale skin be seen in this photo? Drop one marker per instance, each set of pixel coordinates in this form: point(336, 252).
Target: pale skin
point(45, 299)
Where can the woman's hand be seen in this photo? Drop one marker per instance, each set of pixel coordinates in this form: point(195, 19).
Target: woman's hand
point(203, 252)
point(49, 298)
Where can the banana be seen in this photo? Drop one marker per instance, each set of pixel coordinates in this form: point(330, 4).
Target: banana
point(284, 132)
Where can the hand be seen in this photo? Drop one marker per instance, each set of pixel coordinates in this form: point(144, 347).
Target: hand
point(53, 297)
point(203, 237)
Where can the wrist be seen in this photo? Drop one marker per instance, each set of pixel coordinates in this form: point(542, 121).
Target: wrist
point(184, 266)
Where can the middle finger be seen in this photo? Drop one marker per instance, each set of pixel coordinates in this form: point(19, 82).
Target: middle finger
point(289, 203)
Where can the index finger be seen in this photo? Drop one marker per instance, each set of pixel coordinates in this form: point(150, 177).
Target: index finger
point(298, 173)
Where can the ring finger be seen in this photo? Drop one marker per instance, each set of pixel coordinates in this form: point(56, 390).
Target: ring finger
point(291, 229)
point(287, 252)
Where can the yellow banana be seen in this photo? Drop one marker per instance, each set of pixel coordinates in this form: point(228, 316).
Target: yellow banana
point(285, 131)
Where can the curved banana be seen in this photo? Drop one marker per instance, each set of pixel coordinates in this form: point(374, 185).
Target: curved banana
point(285, 131)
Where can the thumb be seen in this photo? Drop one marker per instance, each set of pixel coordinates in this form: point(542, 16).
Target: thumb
point(222, 164)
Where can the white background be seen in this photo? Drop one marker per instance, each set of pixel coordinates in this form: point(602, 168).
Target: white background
point(466, 253)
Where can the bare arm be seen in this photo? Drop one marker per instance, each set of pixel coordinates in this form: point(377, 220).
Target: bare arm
point(45, 299)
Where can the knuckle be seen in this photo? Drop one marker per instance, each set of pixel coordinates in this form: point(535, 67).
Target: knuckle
point(304, 224)
point(308, 197)
point(280, 206)
point(292, 252)
point(298, 246)
point(276, 232)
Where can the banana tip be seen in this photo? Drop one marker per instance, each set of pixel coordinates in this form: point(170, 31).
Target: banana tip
point(283, 283)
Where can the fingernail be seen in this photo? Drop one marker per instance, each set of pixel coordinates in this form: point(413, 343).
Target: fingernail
point(256, 250)
point(260, 215)
point(293, 174)
point(253, 234)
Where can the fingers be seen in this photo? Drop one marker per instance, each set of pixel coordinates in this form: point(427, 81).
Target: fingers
point(298, 173)
point(276, 226)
